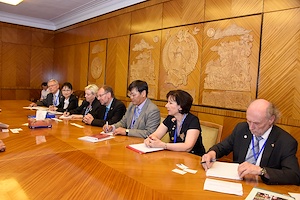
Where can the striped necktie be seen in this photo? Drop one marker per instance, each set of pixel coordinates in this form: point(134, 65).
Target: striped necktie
point(135, 116)
point(253, 151)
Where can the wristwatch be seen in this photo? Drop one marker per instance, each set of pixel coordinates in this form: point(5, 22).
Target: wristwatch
point(263, 171)
point(127, 131)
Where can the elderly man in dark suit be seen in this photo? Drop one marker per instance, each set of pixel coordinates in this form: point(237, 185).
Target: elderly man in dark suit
point(261, 147)
point(53, 98)
point(142, 116)
point(111, 111)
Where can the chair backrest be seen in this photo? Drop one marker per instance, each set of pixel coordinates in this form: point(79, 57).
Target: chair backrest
point(166, 137)
point(211, 133)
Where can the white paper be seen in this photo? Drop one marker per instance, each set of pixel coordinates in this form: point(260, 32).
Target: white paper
point(192, 171)
point(93, 139)
point(224, 170)
point(40, 114)
point(55, 119)
point(181, 166)
point(223, 186)
point(77, 125)
point(36, 108)
point(295, 195)
point(144, 149)
point(179, 171)
point(55, 112)
point(65, 117)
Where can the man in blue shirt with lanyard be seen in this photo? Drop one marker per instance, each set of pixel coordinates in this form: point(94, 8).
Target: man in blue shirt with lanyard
point(261, 147)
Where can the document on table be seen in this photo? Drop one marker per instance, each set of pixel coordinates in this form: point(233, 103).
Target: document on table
point(142, 148)
point(35, 108)
point(223, 186)
point(96, 137)
point(224, 170)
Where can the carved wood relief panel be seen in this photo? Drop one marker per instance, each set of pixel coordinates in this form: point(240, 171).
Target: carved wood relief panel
point(144, 60)
point(180, 60)
point(97, 62)
point(230, 62)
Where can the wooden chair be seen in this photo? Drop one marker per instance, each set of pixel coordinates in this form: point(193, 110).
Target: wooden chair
point(211, 133)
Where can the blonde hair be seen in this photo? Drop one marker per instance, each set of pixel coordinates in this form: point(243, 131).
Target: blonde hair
point(93, 88)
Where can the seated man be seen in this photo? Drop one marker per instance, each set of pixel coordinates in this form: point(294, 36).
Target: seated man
point(112, 110)
point(142, 116)
point(261, 147)
point(53, 97)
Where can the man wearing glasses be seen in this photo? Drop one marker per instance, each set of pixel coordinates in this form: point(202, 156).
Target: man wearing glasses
point(142, 116)
point(53, 98)
point(111, 112)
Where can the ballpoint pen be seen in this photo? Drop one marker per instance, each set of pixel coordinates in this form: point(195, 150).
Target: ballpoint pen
point(213, 160)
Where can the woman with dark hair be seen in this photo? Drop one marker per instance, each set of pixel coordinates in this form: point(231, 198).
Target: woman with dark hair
point(68, 101)
point(183, 127)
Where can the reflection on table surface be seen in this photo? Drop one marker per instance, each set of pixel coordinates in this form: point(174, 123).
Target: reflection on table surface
point(51, 163)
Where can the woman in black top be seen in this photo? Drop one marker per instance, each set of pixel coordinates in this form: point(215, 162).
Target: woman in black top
point(89, 105)
point(68, 100)
point(182, 126)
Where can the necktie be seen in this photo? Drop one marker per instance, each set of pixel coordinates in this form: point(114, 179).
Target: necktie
point(55, 100)
point(253, 152)
point(135, 116)
point(106, 111)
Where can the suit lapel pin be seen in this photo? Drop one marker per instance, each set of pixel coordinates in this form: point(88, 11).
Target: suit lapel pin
point(273, 145)
point(245, 136)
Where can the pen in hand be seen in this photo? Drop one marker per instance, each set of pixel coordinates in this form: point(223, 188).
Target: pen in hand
point(213, 160)
point(106, 127)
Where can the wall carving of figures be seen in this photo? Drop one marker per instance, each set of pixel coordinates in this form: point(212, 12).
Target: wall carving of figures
point(230, 64)
point(180, 61)
point(97, 62)
point(144, 60)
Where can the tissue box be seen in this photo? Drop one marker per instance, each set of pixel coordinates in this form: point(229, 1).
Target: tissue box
point(33, 123)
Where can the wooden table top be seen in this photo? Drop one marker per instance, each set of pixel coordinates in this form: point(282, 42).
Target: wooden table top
point(51, 163)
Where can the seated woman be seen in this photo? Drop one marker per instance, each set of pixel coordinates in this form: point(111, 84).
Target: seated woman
point(68, 100)
point(182, 126)
point(89, 105)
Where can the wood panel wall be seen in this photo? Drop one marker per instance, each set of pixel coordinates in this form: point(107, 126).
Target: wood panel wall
point(29, 56)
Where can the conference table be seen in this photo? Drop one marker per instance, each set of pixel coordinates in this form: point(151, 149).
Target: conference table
point(52, 163)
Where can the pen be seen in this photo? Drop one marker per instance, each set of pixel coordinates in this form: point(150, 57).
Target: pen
point(106, 127)
point(213, 160)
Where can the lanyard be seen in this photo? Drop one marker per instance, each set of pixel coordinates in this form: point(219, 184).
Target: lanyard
point(176, 130)
point(262, 148)
point(88, 109)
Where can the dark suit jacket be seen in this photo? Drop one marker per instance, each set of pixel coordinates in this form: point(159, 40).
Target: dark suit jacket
point(73, 103)
point(115, 113)
point(49, 100)
point(278, 158)
point(81, 109)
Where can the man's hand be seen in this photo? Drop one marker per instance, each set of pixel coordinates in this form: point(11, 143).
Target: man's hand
point(247, 168)
point(120, 131)
point(207, 159)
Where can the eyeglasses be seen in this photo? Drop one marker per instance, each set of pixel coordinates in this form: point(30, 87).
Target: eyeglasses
point(66, 90)
point(52, 85)
point(101, 95)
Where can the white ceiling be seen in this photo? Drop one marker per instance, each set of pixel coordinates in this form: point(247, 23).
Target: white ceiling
point(56, 14)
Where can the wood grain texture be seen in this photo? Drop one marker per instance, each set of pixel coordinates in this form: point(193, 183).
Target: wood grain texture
point(149, 18)
point(230, 62)
point(97, 62)
point(52, 163)
point(215, 9)
point(180, 12)
point(119, 25)
point(280, 65)
point(272, 5)
point(98, 30)
point(117, 64)
point(180, 60)
point(41, 65)
point(145, 49)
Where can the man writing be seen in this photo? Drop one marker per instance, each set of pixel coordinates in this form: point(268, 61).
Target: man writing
point(111, 112)
point(261, 147)
point(142, 116)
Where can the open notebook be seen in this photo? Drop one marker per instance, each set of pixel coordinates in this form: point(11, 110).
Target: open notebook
point(142, 148)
